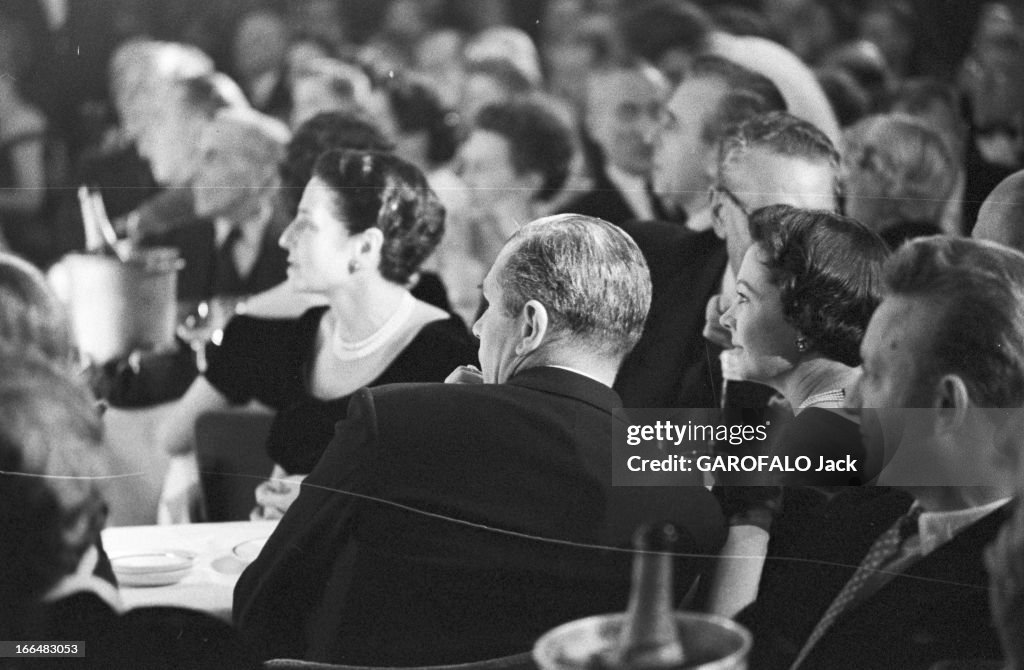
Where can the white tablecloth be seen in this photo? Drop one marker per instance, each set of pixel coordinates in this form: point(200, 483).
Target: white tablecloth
point(210, 583)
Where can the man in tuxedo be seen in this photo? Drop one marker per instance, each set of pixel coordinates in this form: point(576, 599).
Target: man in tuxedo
point(457, 522)
point(624, 103)
point(168, 138)
point(235, 185)
point(772, 158)
point(947, 339)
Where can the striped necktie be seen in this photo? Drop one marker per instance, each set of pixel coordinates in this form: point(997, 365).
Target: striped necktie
point(884, 550)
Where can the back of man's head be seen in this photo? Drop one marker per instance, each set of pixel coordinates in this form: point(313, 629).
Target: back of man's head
point(259, 139)
point(591, 278)
point(1001, 218)
point(977, 291)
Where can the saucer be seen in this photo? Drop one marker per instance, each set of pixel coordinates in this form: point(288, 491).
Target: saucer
point(248, 551)
point(152, 568)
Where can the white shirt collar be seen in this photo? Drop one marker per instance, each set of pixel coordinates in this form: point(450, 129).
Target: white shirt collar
point(577, 371)
point(633, 189)
point(700, 220)
point(938, 528)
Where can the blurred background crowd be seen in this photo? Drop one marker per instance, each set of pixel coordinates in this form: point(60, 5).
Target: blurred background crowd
point(84, 90)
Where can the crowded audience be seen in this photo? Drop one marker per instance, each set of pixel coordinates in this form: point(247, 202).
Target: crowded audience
point(428, 256)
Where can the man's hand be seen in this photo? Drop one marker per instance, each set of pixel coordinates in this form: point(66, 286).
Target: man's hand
point(714, 331)
point(465, 374)
point(276, 495)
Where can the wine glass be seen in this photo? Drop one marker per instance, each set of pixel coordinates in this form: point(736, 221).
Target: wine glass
point(196, 327)
point(203, 322)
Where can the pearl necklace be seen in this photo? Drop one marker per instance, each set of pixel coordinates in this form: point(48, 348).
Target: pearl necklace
point(350, 351)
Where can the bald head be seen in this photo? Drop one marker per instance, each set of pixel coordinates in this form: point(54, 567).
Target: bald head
point(1001, 218)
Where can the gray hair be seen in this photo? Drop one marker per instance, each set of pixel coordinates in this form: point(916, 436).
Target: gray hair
point(589, 275)
point(978, 333)
point(903, 169)
point(140, 68)
point(782, 134)
point(261, 138)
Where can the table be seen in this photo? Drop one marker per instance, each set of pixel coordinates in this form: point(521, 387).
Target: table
point(211, 583)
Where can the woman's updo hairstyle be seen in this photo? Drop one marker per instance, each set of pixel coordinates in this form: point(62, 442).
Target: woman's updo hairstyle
point(828, 269)
point(377, 190)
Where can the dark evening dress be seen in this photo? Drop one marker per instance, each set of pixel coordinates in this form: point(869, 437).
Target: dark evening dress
point(269, 360)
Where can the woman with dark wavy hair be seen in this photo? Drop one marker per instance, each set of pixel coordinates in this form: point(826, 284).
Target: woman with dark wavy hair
point(365, 224)
point(804, 295)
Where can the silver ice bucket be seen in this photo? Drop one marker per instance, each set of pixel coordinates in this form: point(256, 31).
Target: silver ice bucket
point(116, 306)
point(710, 643)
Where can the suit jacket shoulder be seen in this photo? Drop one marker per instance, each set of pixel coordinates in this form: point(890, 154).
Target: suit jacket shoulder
point(672, 365)
point(604, 201)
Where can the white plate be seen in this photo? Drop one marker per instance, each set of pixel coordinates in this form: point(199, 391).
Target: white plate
point(248, 551)
point(152, 568)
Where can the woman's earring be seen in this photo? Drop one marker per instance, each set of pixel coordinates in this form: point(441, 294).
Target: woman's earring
point(801, 344)
point(353, 267)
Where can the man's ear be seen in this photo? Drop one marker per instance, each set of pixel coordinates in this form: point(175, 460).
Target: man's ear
point(952, 399)
point(534, 327)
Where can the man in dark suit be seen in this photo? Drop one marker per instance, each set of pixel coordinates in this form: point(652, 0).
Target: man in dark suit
point(624, 103)
point(771, 158)
point(947, 336)
point(457, 522)
point(235, 186)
